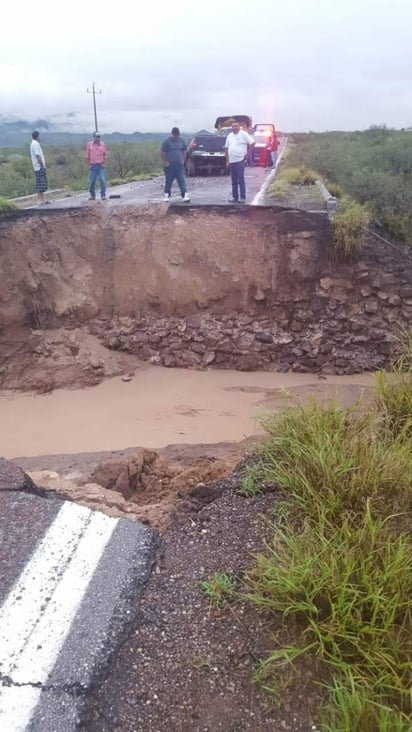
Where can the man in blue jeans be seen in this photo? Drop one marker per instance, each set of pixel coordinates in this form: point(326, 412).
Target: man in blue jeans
point(237, 147)
point(96, 158)
point(172, 152)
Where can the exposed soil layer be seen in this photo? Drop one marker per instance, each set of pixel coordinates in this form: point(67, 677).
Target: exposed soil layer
point(87, 294)
point(145, 485)
point(43, 360)
point(187, 667)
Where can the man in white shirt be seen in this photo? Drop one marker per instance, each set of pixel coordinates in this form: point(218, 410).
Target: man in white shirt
point(39, 167)
point(237, 145)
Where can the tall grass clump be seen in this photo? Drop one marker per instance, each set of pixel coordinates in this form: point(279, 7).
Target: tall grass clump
point(348, 229)
point(338, 572)
point(330, 461)
point(298, 176)
point(348, 593)
point(6, 206)
point(394, 393)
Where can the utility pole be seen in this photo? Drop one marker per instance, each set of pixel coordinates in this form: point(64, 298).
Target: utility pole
point(94, 92)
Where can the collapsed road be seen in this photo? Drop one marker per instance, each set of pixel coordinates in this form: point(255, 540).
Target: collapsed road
point(71, 579)
point(96, 291)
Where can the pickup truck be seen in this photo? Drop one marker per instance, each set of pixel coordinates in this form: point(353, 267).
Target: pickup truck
point(206, 153)
point(223, 124)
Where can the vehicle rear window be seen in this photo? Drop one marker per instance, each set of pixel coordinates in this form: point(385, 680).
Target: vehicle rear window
point(211, 143)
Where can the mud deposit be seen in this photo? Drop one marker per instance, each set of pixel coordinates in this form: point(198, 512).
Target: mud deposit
point(212, 411)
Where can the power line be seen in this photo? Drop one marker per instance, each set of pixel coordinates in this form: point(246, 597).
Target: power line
point(94, 92)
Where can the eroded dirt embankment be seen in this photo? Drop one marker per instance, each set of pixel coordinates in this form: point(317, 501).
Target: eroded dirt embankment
point(86, 295)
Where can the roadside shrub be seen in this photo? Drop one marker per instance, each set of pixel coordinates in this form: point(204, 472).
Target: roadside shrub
point(67, 168)
point(334, 189)
point(394, 394)
point(6, 206)
point(374, 167)
point(301, 176)
point(13, 184)
point(348, 229)
point(61, 159)
point(279, 188)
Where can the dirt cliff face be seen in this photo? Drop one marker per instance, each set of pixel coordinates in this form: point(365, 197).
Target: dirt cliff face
point(251, 288)
point(77, 265)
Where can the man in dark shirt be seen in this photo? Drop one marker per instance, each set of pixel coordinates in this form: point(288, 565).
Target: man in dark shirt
point(173, 152)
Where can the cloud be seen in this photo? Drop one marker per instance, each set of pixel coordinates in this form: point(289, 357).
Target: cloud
point(308, 64)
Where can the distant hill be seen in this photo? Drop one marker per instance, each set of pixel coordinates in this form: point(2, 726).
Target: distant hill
point(15, 138)
point(17, 133)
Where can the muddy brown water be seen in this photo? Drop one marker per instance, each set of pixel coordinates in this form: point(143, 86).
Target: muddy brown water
point(158, 407)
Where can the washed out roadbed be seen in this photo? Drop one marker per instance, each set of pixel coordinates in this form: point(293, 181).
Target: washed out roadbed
point(304, 198)
point(187, 666)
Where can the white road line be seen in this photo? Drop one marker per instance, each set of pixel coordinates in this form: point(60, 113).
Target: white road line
point(257, 201)
point(38, 612)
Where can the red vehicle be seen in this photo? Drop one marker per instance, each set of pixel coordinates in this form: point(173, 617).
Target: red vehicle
point(266, 140)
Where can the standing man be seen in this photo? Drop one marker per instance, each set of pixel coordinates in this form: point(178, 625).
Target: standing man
point(96, 158)
point(274, 150)
point(237, 146)
point(173, 154)
point(39, 166)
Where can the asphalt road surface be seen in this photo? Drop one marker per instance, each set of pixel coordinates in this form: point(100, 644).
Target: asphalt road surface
point(69, 585)
point(203, 190)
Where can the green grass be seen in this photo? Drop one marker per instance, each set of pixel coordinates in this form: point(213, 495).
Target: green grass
point(330, 460)
point(218, 589)
point(298, 176)
point(394, 393)
point(349, 224)
point(278, 188)
point(334, 189)
point(67, 168)
point(348, 592)
point(374, 167)
point(6, 206)
point(251, 485)
point(338, 571)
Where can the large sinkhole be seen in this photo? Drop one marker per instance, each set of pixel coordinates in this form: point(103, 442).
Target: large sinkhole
point(83, 294)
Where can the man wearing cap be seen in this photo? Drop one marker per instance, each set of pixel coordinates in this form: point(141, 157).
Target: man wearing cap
point(96, 158)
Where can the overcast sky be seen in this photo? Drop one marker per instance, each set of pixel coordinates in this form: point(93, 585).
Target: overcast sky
point(304, 64)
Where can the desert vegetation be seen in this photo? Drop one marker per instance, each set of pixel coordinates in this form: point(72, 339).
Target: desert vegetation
point(374, 167)
point(67, 168)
